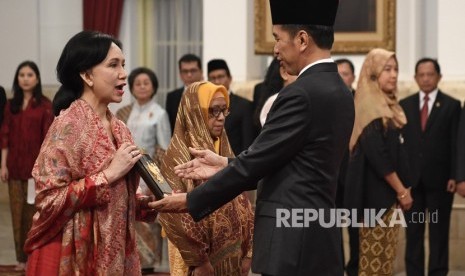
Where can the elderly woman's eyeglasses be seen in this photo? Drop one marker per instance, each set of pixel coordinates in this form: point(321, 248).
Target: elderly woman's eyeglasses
point(216, 111)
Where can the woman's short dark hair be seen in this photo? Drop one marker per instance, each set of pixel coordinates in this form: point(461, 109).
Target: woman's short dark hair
point(82, 52)
point(16, 102)
point(143, 70)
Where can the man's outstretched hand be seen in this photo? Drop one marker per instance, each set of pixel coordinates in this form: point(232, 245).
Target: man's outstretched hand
point(205, 164)
point(174, 203)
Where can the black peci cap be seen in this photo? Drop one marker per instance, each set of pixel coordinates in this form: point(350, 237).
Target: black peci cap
point(304, 12)
point(216, 64)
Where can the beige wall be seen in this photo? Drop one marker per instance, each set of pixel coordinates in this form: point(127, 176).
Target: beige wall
point(35, 30)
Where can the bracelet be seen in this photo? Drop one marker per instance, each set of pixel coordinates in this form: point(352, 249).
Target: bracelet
point(404, 195)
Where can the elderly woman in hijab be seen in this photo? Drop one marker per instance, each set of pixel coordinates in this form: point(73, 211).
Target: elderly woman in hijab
point(377, 176)
point(222, 242)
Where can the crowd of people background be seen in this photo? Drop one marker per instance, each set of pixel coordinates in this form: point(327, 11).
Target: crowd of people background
point(93, 214)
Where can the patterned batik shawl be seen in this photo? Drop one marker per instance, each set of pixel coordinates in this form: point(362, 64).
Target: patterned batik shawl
point(74, 199)
point(148, 237)
point(225, 236)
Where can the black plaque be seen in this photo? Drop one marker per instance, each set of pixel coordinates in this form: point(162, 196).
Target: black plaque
point(152, 176)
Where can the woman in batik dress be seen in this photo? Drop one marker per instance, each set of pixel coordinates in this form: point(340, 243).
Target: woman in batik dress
point(222, 242)
point(377, 176)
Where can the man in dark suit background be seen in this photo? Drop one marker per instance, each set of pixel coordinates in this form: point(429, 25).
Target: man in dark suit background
point(346, 70)
point(190, 70)
point(430, 139)
point(297, 153)
point(239, 123)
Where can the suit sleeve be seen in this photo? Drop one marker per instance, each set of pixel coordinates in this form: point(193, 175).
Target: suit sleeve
point(171, 110)
point(460, 172)
point(454, 132)
point(282, 137)
point(257, 106)
point(248, 131)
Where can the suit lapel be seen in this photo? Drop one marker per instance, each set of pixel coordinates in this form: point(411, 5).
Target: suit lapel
point(415, 116)
point(435, 110)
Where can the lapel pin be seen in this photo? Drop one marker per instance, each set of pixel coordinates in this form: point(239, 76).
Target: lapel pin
point(438, 104)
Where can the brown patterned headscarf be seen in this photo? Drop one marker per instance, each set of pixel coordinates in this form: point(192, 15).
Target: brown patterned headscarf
point(370, 101)
point(191, 131)
point(225, 236)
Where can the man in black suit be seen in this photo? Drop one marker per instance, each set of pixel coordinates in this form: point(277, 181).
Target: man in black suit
point(430, 140)
point(190, 70)
point(346, 70)
point(297, 153)
point(239, 123)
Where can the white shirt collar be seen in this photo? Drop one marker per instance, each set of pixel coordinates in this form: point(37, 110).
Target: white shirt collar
point(325, 60)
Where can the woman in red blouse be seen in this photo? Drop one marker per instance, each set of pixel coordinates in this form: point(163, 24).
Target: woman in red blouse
point(27, 117)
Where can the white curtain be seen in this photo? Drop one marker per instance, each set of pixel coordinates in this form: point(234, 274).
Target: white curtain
point(155, 34)
point(177, 31)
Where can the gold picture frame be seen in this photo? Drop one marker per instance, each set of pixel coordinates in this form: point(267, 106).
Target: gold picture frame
point(348, 42)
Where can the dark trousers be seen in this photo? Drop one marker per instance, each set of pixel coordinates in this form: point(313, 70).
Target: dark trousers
point(439, 206)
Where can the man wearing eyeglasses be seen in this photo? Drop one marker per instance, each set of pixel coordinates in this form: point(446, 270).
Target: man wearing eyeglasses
point(190, 70)
point(238, 125)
